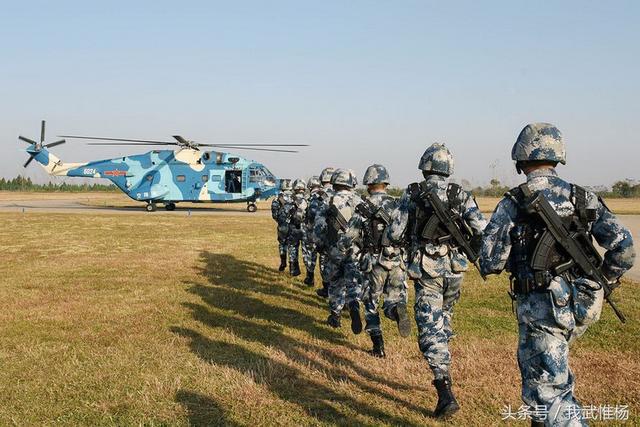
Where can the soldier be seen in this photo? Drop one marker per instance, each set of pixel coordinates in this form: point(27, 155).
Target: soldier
point(309, 250)
point(436, 263)
point(553, 308)
point(383, 267)
point(296, 209)
point(317, 204)
point(345, 279)
point(279, 216)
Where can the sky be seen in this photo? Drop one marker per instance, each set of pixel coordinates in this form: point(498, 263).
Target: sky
point(362, 82)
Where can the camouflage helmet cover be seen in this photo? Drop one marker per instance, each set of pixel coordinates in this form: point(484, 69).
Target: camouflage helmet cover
point(313, 182)
point(326, 174)
point(376, 174)
point(437, 159)
point(539, 141)
point(344, 177)
point(299, 185)
point(285, 184)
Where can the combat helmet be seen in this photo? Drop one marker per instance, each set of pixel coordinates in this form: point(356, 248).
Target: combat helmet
point(539, 142)
point(437, 159)
point(326, 174)
point(314, 182)
point(285, 184)
point(299, 185)
point(376, 174)
point(345, 177)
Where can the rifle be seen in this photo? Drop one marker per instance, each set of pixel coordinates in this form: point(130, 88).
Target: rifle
point(577, 251)
point(447, 220)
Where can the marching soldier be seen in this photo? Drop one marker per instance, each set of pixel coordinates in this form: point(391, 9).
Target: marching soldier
point(345, 279)
point(317, 204)
point(383, 266)
point(556, 298)
point(437, 263)
point(282, 220)
point(296, 209)
point(309, 250)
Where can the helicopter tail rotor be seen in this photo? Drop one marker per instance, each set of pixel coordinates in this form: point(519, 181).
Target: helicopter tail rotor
point(36, 147)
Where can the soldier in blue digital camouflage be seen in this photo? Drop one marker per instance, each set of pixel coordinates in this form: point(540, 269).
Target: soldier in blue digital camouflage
point(317, 203)
point(282, 220)
point(436, 262)
point(383, 266)
point(309, 250)
point(556, 301)
point(296, 210)
point(342, 272)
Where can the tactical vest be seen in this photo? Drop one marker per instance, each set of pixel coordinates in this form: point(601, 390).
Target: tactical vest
point(535, 257)
point(377, 219)
point(424, 224)
point(315, 199)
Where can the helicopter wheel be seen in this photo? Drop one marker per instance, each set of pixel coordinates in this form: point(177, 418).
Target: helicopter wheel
point(170, 206)
point(251, 207)
point(151, 207)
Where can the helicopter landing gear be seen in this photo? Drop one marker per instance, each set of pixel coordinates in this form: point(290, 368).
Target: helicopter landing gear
point(170, 206)
point(252, 207)
point(151, 207)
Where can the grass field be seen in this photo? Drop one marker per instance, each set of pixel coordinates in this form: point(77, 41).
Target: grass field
point(175, 320)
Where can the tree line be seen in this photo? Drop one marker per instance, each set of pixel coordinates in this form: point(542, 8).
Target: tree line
point(21, 183)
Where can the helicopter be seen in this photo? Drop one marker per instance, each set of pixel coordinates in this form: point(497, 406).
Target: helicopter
point(170, 176)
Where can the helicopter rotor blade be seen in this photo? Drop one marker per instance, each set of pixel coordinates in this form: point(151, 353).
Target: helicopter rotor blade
point(257, 145)
point(98, 138)
point(130, 143)
point(27, 140)
point(181, 140)
point(247, 148)
point(53, 144)
point(42, 133)
point(29, 161)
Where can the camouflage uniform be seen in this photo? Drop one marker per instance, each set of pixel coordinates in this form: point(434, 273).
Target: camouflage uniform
point(436, 268)
point(342, 272)
point(296, 209)
point(383, 267)
point(317, 205)
point(556, 309)
point(309, 250)
point(282, 219)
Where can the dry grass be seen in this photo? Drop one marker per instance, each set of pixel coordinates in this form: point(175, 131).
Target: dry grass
point(135, 319)
point(618, 206)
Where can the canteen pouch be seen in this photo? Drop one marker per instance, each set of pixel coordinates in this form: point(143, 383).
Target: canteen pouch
point(459, 262)
point(588, 298)
point(560, 295)
point(414, 269)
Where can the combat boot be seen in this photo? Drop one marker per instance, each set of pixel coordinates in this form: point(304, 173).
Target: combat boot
point(294, 269)
point(309, 279)
point(378, 346)
point(283, 262)
point(334, 320)
point(354, 313)
point(447, 404)
point(324, 290)
point(402, 318)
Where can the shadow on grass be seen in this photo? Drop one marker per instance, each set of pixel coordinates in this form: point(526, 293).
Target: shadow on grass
point(232, 283)
point(202, 410)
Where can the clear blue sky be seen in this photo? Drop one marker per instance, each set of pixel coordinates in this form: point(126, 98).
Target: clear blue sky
point(361, 81)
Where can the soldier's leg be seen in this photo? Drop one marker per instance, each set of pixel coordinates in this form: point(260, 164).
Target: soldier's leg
point(309, 255)
point(337, 289)
point(324, 291)
point(294, 248)
point(371, 298)
point(543, 358)
point(282, 249)
point(354, 280)
point(433, 341)
point(451, 296)
point(395, 299)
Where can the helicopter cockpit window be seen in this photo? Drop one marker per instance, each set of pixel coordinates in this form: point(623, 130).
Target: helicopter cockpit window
point(233, 181)
point(256, 175)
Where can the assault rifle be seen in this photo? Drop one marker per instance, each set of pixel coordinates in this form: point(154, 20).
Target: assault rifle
point(577, 245)
point(369, 211)
point(447, 220)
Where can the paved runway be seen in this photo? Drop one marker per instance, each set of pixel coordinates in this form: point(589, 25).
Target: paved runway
point(88, 206)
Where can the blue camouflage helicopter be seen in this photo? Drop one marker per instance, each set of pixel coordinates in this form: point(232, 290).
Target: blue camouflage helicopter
point(185, 174)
